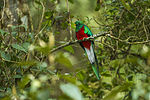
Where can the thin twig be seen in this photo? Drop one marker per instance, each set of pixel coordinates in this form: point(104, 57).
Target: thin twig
point(10, 61)
point(40, 24)
point(126, 41)
point(130, 12)
point(77, 41)
point(106, 45)
point(145, 31)
point(30, 20)
point(96, 36)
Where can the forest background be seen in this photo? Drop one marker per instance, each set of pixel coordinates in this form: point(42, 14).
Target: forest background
point(40, 58)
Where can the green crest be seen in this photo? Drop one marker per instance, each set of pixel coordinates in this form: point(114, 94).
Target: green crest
point(79, 25)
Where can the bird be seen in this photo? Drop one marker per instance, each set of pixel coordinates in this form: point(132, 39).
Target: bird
point(82, 31)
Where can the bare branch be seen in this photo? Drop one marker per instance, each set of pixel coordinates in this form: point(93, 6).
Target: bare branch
point(77, 41)
point(39, 27)
point(96, 36)
point(126, 41)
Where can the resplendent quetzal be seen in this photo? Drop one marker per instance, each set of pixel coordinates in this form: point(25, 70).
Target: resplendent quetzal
point(82, 31)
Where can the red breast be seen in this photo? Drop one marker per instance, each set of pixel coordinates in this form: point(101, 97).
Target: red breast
point(80, 35)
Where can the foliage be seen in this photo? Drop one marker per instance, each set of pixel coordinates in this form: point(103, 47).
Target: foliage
point(28, 69)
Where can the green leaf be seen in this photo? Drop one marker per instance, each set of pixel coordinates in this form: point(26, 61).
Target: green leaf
point(27, 63)
point(99, 3)
point(97, 7)
point(6, 98)
point(5, 56)
point(68, 78)
point(71, 91)
point(24, 26)
point(26, 45)
point(112, 94)
point(44, 94)
point(18, 47)
point(59, 17)
point(71, 1)
point(44, 50)
point(126, 5)
point(63, 60)
point(37, 2)
point(14, 34)
point(24, 81)
point(17, 76)
point(69, 49)
point(132, 1)
point(42, 65)
point(3, 32)
point(117, 62)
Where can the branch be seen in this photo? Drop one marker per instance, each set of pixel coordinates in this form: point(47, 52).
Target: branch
point(126, 41)
point(77, 41)
point(96, 36)
point(39, 26)
point(133, 54)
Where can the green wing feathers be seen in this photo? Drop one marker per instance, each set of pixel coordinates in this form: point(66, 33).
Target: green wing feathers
point(87, 31)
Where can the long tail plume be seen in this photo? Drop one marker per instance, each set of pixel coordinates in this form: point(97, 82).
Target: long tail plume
point(93, 60)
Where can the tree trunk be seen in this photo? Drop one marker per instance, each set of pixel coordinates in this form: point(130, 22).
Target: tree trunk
point(15, 13)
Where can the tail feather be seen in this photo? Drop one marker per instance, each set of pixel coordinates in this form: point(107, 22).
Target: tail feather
point(96, 72)
point(97, 66)
point(93, 60)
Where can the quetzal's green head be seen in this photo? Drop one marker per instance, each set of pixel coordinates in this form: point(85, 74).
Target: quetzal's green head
point(79, 25)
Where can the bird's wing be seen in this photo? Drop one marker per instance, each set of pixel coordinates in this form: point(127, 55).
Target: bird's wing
point(87, 31)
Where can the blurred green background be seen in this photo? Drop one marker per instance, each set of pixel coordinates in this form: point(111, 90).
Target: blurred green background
point(32, 68)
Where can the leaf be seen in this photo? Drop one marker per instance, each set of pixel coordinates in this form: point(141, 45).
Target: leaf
point(17, 76)
point(44, 50)
point(24, 81)
point(6, 98)
point(26, 45)
point(59, 17)
point(37, 2)
point(5, 56)
point(42, 65)
point(44, 95)
point(99, 3)
point(126, 5)
point(132, 1)
point(14, 34)
point(117, 62)
point(71, 1)
point(24, 26)
point(68, 78)
point(14, 91)
point(112, 94)
point(27, 63)
point(71, 91)
point(63, 60)
point(3, 32)
point(18, 47)
point(97, 7)
point(69, 49)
